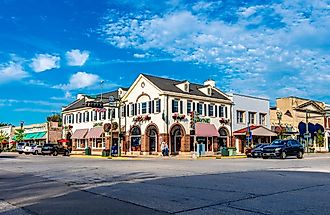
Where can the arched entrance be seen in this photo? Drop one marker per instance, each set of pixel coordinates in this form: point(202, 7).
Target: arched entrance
point(136, 138)
point(223, 138)
point(68, 137)
point(152, 138)
point(176, 136)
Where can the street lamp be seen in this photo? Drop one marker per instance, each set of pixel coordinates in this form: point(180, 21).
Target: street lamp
point(22, 123)
point(116, 103)
point(279, 117)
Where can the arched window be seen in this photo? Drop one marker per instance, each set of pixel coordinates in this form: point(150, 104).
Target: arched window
point(135, 138)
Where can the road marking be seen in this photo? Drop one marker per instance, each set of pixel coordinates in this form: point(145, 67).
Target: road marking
point(9, 209)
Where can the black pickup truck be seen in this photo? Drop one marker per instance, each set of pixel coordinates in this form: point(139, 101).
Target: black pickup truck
point(282, 149)
point(54, 149)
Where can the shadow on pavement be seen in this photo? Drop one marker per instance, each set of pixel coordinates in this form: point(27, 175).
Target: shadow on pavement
point(254, 192)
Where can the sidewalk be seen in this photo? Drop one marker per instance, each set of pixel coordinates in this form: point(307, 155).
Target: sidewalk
point(144, 157)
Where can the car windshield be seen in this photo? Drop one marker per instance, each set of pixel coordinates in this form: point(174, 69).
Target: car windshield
point(278, 143)
point(21, 144)
point(33, 145)
point(49, 145)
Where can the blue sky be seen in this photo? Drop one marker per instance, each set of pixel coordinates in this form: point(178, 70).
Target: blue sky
point(52, 50)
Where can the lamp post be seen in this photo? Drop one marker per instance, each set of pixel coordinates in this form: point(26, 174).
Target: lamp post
point(22, 124)
point(279, 117)
point(117, 104)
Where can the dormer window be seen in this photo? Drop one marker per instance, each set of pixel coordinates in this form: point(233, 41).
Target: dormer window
point(186, 88)
point(209, 91)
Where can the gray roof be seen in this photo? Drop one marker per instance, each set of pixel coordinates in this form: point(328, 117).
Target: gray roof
point(80, 103)
point(169, 85)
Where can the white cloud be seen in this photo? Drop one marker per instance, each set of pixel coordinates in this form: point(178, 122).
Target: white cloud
point(12, 71)
point(36, 110)
point(79, 80)
point(75, 57)
point(43, 62)
point(262, 47)
point(10, 102)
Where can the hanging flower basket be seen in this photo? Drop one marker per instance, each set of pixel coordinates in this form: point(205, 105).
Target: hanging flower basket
point(224, 121)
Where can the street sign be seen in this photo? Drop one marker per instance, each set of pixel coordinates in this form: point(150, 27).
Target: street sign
point(112, 101)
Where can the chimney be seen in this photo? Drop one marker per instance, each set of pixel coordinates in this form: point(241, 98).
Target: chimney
point(80, 96)
point(209, 82)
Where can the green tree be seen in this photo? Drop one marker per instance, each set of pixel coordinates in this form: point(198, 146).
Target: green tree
point(320, 138)
point(3, 136)
point(19, 133)
point(2, 124)
point(55, 118)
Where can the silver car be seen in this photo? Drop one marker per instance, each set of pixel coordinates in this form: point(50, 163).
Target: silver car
point(33, 149)
point(20, 147)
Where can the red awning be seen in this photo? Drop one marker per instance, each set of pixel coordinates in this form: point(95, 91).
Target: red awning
point(79, 134)
point(206, 130)
point(94, 133)
point(63, 141)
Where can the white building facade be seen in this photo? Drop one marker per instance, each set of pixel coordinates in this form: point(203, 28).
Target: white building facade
point(178, 113)
point(250, 121)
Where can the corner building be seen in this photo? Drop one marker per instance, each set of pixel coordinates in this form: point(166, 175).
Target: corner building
point(160, 109)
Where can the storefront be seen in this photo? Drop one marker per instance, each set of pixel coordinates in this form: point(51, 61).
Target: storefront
point(38, 138)
point(79, 139)
point(96, 140)
point(250, 136)
point(207, 134)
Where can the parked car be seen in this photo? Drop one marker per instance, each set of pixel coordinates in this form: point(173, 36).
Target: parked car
point(32, 149)
point(54, 149)
point(283, 148)
point(256, 152)
point(20, 147)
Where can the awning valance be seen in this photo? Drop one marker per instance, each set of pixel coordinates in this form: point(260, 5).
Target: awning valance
point(79, 134)
point(94, 133)
point(205, 130)
point(256, 131)
point(34, 135)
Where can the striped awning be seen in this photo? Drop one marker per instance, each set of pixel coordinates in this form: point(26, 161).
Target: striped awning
point(79, 134)
point(33, 136)
point(94, 133)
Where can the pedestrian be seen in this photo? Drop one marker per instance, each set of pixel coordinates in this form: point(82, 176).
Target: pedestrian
point(162, 147)
point(166, 149)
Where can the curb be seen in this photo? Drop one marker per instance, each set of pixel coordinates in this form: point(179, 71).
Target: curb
point(88, 156)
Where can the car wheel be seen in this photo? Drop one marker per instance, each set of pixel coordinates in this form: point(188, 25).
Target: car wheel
point(300, 155)
point(265, 157)
point(55, 153)
point(283, 155)
point(35, 152)
point(20, 153)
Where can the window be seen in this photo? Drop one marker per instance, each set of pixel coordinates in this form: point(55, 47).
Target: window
point(186, 87)
point(221, 111)
point(205, 110)
point(80, 143)
point(181, 107)
point(144, 107)
point(252, 116)
point(226, 112)
point(189, 107)
point(72, 119)
point(100, 116)
point(80, 117)
point(127, 110)
point(103, 115)
point(199, 108)
point(240, 116)
point(95, 115)
point(262, 119)
point(209, 91)
point(194, 106)
point(98, 142)
point(175, 104)
point(158, 109)
point(138, 108)
point(77, 117)
point(113, 113)
point(87, 116)
point(211, 110)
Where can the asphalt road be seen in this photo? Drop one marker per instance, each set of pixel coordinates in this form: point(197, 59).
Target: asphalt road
point(66, 185)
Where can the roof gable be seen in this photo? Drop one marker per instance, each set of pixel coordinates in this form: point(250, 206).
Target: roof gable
point(310, 106)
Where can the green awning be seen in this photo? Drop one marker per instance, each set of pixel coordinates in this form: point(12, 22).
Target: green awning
point(35, 135)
